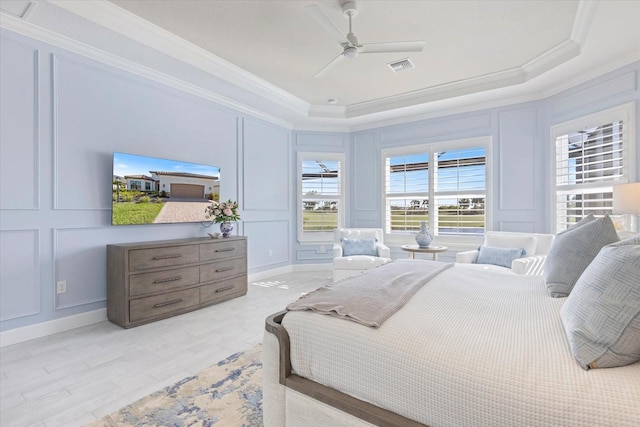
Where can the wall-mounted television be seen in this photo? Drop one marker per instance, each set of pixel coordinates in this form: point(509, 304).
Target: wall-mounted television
point(149, 190)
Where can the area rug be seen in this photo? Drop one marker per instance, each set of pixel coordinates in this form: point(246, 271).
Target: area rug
point(228, 393)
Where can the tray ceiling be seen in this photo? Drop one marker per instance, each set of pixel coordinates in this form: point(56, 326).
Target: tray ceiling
point(274, 48)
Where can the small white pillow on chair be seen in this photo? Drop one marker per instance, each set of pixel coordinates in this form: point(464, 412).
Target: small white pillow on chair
point(528, 243)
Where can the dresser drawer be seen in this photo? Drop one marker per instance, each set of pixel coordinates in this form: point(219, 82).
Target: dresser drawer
point(152, 307)
point(222, 249)
point(217, 291)
point(163, 281)
point(144, 259)
point(221, 269)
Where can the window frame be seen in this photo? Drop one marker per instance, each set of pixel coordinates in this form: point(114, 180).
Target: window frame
point(400, 237)
point(626, 114)
point(321, 236)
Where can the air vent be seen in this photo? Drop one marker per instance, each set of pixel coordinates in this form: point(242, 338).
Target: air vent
point(401, 65)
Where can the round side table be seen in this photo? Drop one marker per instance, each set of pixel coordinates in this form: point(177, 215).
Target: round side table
point(434, 250)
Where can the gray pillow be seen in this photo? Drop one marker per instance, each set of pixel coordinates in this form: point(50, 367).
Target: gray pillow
point(583, 221)
point(572, 251)
point(601, 317)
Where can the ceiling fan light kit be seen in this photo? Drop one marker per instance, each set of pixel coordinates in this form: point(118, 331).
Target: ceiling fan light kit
point(349, 42)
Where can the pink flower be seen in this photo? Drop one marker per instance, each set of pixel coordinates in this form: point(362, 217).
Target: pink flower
point(227, 211)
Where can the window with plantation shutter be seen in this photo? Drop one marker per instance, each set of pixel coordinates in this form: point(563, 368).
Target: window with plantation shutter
point(444, 184)
point(320, 195)
point(591, 155)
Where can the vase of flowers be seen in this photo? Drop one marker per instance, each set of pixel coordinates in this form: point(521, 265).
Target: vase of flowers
point(224, 213)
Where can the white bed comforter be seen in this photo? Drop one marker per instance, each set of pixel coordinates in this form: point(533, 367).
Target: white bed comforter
point(474, 347)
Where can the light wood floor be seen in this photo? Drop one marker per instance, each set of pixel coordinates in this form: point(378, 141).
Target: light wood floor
point(78, 376)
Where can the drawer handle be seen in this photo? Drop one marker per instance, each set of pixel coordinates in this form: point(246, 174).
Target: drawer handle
point(225, 250)
point(157, 258)
point(164, 304)
point(168, 279)
point(218, 270)
point(226, 288)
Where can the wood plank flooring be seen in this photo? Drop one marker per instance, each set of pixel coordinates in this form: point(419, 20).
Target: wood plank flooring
point(78, 376)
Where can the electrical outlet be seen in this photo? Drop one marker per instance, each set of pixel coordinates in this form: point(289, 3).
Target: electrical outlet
point(61, 287)
point(323, 250)
point(270, 252)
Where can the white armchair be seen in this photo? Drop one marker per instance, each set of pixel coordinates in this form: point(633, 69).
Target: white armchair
point(536, 246)
point(351, 265)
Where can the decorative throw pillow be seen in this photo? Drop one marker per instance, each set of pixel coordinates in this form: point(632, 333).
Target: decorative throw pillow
point(498, 256)
point(583, 221)
point(572, 251)
point(499, 240)
point(359, 247)
point(601, 317)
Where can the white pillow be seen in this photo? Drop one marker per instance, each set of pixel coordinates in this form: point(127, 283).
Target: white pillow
point(528, 243)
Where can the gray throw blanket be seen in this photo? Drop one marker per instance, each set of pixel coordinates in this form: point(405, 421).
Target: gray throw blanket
point(372, 297)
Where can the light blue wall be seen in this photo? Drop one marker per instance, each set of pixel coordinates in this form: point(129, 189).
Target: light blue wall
point(64, 115)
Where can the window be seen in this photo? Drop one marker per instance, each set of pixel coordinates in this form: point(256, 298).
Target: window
point(591, 154)
point(136, 185)
point(444, 184)
point(321, 208)
point(147, 186)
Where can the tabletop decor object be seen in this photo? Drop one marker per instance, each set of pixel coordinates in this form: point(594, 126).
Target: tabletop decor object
point(224, 213)
point(423, 238)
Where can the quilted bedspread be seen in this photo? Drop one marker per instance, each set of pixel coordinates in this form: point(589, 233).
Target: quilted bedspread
point(475, 346)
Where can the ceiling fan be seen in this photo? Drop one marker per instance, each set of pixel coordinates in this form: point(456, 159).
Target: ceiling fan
point(349, 43)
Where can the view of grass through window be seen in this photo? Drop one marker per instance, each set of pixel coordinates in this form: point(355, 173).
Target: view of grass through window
point(457, 185)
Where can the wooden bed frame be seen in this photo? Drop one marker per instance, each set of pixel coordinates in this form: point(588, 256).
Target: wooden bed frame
point(339, 400)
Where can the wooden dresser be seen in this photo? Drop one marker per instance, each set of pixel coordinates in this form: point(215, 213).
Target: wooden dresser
point(154, 280)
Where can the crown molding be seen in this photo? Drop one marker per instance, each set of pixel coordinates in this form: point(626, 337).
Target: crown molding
point(121, 21)
point(16, 25)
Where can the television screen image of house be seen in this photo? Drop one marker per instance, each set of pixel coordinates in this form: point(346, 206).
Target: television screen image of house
point(149, 190)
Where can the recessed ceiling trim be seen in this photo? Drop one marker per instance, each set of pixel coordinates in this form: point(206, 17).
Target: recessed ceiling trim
point(436, 93)
point(19, 9)
point(122, 21)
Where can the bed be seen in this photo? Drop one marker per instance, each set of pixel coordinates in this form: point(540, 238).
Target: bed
point(476, 345)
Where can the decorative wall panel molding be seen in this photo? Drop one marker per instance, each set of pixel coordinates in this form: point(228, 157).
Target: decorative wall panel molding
point(86, 247)
point(518, 226)
point(436, 127)
point(517, 140)
point(20, 130)
point(365, 187)
point(19, 273)
point(271, 243)
point(609, 88)
point(266, 166)
point(324, 140)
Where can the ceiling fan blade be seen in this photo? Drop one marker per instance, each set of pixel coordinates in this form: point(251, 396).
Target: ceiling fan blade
point(330, 65)
point(326, 23)
point(392, 47)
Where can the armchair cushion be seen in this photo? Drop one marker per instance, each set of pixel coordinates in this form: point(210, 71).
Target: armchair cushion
point(499, 256)
point(359, 247)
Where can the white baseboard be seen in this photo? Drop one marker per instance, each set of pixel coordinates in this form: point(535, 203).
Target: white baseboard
point(39, 330)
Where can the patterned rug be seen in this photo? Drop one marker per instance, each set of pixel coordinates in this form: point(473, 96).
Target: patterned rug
point(228, 393)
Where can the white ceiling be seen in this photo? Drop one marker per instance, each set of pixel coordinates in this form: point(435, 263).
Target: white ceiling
point(475, 51)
